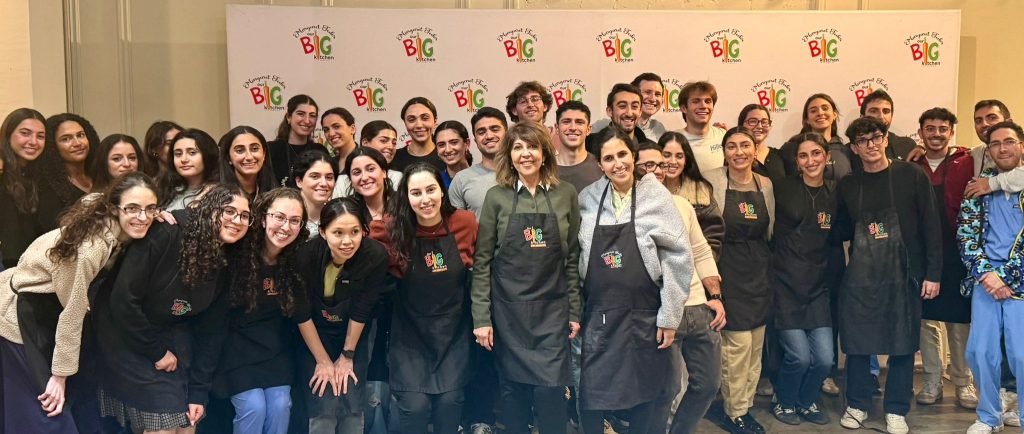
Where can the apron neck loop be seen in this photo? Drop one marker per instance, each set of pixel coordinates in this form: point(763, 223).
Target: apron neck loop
point(604, 194)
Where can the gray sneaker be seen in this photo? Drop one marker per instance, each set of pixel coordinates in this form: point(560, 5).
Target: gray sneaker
point(481, 428)
point(931, 392)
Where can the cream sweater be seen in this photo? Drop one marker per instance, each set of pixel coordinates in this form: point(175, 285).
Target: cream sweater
point(703, 259)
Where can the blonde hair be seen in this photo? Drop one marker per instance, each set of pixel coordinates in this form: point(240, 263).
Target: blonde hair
point(529, 132)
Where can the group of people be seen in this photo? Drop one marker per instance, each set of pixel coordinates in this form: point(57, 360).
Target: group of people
point(188, 284)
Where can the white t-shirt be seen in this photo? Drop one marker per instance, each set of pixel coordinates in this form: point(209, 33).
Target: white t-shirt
point(707, 149)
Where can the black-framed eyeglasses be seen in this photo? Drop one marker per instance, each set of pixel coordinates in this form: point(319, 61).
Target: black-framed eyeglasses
point(533, 99)
point(753, 123)
point(138, 211)
point(229, 214)
point(280, 218)
point(874, 140)
point(650, 166)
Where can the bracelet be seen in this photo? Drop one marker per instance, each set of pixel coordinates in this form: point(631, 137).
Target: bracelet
point(349, 354)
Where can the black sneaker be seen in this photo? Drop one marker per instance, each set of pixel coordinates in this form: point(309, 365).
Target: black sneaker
point(738, 426)
point(813, 415)
point(752, 423)
point(786, 415)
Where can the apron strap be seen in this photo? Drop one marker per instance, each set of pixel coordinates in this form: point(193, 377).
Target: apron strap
point(604, 194)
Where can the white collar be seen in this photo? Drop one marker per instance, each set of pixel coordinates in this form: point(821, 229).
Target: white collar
point(520, 185)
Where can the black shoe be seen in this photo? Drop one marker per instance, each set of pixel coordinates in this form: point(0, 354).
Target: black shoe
point(738, 426)
point(752, 423)
point(813, 415)
point(786, 415)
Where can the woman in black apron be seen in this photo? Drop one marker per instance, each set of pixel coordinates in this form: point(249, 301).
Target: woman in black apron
point(431, 329)
point(638, 271)
point(748, 206)
point(805, 206)
point(162, 324)
point(525, 292)
point(44, 302)
point(344, 272)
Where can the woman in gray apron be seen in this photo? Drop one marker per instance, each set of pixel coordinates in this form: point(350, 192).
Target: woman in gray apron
point(45, 300)
point(638, 268)
point(525, 294)
point(748, 206)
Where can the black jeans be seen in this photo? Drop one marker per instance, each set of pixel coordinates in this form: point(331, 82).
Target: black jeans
point(520, 401)
point(482, 390)
point(639, 417)
point(701, 347)
point(414, 410)
point(899, 383)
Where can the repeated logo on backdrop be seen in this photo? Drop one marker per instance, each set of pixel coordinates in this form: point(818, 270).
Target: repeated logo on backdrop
point(266, 91)
point(418, 43)
point(469, 94)
point(369, 93)
point(316, 41)
point(924, 47)
point(672, 88)
point(772, 93)
point(863, 88)
point(725, 45)
point(618, 44)
point(519, 44)
point(823, 44)
point(569, 89)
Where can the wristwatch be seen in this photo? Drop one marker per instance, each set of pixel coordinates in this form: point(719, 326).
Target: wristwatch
point(349, 354)
point(715, 296)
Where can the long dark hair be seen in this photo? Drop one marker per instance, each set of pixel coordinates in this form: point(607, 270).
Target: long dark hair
point(202, 251)
point(171, 182)
point(100, 172)
point(805, 126)
point(14, 181)
point(265, 177)
point(690, 169)
point(377, 157)
point(245, 287)
point(89, 218)
point(153, 145)
point(50, 167)
point(402, 226)
point(373, 128)
point(285, 128)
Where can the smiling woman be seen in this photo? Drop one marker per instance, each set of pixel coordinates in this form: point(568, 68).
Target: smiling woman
point(22, 137)
point(116, 155)
point(244, 160)
point(294, 136)
point(62, 168)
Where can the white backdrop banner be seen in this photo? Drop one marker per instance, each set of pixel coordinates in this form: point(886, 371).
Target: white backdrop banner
point(371, 61)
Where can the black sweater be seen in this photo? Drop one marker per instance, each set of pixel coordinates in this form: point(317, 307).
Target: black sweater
point(359, 283)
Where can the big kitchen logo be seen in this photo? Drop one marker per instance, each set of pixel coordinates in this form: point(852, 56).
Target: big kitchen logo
point(823, 45)
point(569, 89)
point(316, 41)
point(672, 88)
point(418, 43)
point(725, 45)
point(924, 47)
point(266, 91)
point(519, 44)
point(618, 44)
point(772, 93)
point(469, 94)
point(863, 88)
point(369, 93)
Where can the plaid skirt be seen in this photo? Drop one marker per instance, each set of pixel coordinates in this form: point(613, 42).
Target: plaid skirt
point(139, 420)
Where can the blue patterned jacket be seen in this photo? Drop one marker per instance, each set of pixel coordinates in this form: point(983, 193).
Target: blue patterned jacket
point(971, 236)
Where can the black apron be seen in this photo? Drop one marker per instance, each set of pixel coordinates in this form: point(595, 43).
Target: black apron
point(331, 323)
point(801, 259)
point(745, 259)
point(879, 301)
point(530, 301)
point(622, 366)
point(949, 305)
point(431, 327)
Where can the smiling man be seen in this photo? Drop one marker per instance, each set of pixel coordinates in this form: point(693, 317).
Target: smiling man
point(469, 187)
point(697, 103)
point(652, 91)
point(575, 164)
point(623, 108)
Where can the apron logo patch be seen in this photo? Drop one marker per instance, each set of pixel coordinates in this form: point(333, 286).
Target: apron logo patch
point(270, 287)
point(535, 236)
point(825, 220)
point(748, 211)
point(877, 230)
point(612, 259)
point(435, 262)
point(180, 307)
point(330, 316)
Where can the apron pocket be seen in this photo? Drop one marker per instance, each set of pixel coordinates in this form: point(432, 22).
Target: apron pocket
point(643, 333)
point(534, 324)
point(599, 326)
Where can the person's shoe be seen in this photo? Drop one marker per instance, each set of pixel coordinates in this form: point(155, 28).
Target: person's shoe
point(813, 415)
point(620, 426)
point(786, 415)
point(967, 396)
point(1009, 400)
point(764, 388)
point(853, 418)
point(481, 428)
point(829, 387)
point(738, 426)
point(979, 427)
point(931, 392)
point(896, 424)
point(752, 423)
point(1011, 418)
point(876, 384)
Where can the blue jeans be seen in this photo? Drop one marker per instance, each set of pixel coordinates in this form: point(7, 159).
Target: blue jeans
point(263, 411)
point(990, 320)
point(806, 362)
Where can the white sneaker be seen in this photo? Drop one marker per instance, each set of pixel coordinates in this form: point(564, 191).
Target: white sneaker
point(1010, 415)
point(853, 418)
point(896, 424)
point(979, 427)
point(967, 396)
point(1011, 418)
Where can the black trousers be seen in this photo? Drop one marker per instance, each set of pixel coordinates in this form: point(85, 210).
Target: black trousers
point(413, 411)
point(639, 417)
point(899, 383)
point(520, 402)
point(482, 390)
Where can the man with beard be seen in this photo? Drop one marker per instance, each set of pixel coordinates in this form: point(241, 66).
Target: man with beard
point(623, 108)
point(469, 187)
point(575, 164)
point(879, 105)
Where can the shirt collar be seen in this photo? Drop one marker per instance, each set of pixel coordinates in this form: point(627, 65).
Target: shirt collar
point(520, 185)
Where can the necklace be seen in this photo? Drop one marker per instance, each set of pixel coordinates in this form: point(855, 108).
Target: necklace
point(813, 196)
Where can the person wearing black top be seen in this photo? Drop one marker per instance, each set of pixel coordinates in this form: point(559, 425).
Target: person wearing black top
point(888, 212)
point(420, 118)
point(62, 170)
point(22, 138)
point(243, 161)
point(294, 136)
point(344, 271)
point(769, 162)
point(162, 322)
point(820, 115)
point(879, 105)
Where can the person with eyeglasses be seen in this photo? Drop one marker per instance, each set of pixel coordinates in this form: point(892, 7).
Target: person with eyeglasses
point(989, 236)
point(888, 213)
point(879, 105)
point(531, 101)
point(575, 165)
point(47, 335)
point(758, 120)
point(62, 171)
point(163, 319)
point(949, 169)
point(420, 117)
point(987, 113)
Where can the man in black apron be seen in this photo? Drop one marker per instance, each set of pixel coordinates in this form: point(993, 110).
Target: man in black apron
point(895, 261)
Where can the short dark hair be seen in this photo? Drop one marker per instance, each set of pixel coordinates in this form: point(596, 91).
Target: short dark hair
point(647, 76)
point(344, 114)
point(606, 135)
point(993, 103)
point(864, 125)
point(521, 90)
point(937, 113)
point(622, 87)
point(572, 105)
point(488, 112)
point(697, 86)
point(877, 94)
point(1005, 124)
point(648, 145)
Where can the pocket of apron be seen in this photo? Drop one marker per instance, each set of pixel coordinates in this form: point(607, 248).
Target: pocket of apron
point(643, 333)
point(534, 324)
point(600, 324)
